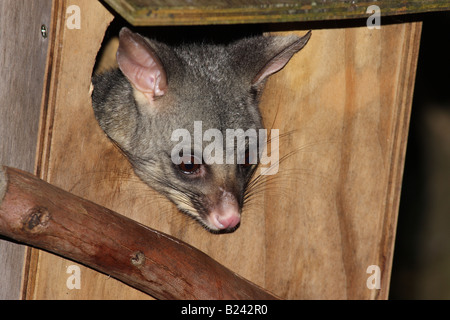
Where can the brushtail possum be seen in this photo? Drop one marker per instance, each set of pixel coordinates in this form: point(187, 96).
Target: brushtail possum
point(159, 88)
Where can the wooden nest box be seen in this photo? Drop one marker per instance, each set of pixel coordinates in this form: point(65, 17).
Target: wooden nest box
point(323, 227)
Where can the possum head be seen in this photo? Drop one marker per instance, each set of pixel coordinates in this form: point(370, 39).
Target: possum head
point(201, 89)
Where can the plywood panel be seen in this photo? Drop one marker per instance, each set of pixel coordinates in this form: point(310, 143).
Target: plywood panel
point(342, 106)
point(22, 68)
point(349, 102)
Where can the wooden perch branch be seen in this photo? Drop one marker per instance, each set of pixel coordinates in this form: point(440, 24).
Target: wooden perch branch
point(42, 215)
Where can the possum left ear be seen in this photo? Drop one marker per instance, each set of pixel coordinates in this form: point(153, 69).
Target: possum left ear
point(141, 65)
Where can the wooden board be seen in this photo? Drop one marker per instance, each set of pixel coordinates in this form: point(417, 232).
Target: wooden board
point(318, 224)
point(23, 53)
point(196, 12)
point(349, 100)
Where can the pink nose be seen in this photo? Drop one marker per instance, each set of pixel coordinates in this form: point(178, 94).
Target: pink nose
point(228, 220)
point(225, 215)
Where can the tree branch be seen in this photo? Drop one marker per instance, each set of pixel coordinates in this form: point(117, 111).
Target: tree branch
point(42, 215)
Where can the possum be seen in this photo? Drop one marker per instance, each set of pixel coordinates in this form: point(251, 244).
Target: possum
point(160, 92)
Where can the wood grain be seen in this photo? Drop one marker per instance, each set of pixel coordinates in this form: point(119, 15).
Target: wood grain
point(23, 54)
point(342, 107)
point(349, 101)
point(197, 12)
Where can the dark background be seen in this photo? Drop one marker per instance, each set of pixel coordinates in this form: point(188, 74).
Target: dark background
point(421, 267)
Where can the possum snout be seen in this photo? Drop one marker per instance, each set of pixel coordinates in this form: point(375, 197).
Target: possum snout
point(225, 214)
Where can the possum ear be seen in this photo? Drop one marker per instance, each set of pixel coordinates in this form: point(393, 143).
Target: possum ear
point(140, 64)
point(280, 50)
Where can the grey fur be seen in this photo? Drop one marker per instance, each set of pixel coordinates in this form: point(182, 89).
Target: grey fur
point(212, 83)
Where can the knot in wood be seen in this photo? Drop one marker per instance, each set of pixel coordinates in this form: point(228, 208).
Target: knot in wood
point(138, 259)
point(36, 220)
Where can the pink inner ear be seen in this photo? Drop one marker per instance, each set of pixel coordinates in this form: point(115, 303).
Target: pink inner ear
point(281, 59)
point(140, 64)
point(273, 66)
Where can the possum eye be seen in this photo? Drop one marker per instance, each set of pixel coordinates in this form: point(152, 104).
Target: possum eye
point(189, 165)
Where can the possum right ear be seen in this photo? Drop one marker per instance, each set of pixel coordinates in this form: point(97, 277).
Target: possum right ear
point(141, 65)
point(282, 49)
